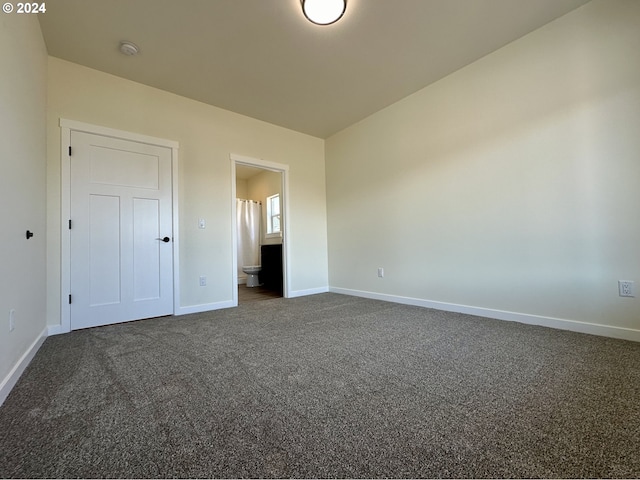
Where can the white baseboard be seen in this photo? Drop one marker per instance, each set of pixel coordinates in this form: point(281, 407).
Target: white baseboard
point(12, 378)
point(229, 303)
point(309, 291)
point(205, 307)
point(559, 323)
point(56, 330)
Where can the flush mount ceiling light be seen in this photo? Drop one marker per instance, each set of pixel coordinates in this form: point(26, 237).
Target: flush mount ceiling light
point(128, 48)
point(323, 12)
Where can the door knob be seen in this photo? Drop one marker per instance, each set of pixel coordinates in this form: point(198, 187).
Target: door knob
point(165, 239)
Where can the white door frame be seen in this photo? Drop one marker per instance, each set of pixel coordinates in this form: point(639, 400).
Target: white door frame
point(66, 127)
point(286, 236)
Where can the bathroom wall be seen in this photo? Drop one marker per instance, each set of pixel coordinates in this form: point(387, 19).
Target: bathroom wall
point(259, 187)
point(241, 188)
point(241, 192)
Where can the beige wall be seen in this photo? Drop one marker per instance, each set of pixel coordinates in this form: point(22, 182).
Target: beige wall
point(23, 60)
point(511, 185)
point(241, 188)
point(207, 136)
point(259, 187)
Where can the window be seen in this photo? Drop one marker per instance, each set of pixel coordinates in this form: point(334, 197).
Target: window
point(273, 215)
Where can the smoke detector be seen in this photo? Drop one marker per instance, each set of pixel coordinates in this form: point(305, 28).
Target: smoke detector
point(128, 48)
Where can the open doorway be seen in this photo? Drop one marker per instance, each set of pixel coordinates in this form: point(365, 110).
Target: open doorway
point(260, 217)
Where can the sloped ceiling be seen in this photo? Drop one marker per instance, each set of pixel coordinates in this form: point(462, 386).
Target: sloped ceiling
point(263, 59)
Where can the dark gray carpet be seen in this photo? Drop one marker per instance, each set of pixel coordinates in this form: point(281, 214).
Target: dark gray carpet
point(325, 386)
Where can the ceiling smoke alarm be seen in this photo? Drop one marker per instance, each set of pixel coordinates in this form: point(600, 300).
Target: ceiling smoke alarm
point(128, 48)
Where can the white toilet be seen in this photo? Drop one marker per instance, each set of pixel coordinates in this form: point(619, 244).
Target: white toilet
point(252, 275)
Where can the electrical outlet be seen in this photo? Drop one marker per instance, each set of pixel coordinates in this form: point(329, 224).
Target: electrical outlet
point(203, 281)
point(380, 272)
point(202, 223)
point(12, 320)
point(625, 288)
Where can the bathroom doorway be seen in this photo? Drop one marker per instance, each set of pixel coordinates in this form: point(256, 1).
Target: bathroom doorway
point(260, 226)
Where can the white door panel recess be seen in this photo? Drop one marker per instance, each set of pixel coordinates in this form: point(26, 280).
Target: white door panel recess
point(121, 256)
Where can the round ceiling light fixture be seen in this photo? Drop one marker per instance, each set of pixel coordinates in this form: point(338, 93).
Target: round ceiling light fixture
point(129, 49)
point(323, 12)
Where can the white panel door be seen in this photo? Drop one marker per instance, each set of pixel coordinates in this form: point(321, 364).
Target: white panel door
point(121, 229)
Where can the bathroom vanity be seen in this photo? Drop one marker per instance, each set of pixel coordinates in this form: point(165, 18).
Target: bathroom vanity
point(271, 273)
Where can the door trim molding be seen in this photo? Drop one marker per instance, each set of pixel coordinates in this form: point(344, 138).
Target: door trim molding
point(286, 237)
point(66, 127)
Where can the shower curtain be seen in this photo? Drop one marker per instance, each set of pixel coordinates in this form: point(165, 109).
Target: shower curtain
point(248, 214)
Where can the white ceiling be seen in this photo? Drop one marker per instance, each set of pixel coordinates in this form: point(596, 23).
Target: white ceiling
point(263, 59)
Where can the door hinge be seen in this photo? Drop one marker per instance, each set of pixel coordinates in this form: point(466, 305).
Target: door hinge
point(69, 224)
point(69, 150)
point(69, 299)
